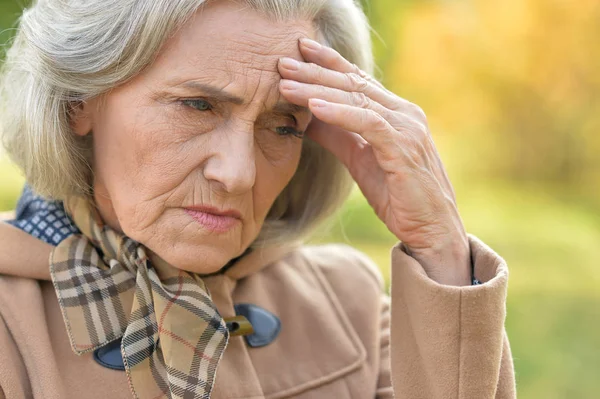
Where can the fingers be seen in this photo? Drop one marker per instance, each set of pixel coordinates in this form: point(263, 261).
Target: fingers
point(325, 56)
point(351, 149)
point(366, 122)
point(329, 58)
point(341, 95)
point(343, 144)
point(352, 82)
point(299, 93)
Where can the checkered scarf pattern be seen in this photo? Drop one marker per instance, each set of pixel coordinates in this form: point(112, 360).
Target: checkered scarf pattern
point(172, 334)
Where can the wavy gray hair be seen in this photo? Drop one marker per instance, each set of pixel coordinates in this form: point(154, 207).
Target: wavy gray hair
point(67, 52)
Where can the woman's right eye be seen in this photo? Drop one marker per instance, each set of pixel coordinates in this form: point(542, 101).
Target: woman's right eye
point(198, 104)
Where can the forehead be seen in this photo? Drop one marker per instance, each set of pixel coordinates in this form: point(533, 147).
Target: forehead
point(229, 44)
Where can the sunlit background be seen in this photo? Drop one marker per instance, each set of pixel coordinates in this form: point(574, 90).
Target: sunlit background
point(512, 92)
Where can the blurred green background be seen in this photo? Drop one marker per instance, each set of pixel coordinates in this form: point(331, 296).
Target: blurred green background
point(512, 92)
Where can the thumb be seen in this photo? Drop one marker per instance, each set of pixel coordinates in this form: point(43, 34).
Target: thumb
point(340, 142)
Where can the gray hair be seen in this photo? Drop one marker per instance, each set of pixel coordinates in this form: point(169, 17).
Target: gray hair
point(67, 52)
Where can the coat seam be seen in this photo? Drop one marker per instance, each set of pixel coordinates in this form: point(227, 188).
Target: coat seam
point(351, 333)
point(460, 346)
point(360, 259)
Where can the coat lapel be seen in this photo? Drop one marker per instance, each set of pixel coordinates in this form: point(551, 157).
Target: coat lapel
point(315, 332)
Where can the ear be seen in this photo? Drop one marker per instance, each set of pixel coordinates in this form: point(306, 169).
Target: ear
point(81, 118)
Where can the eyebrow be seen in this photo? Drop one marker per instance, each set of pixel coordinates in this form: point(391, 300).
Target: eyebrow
point(222, 96)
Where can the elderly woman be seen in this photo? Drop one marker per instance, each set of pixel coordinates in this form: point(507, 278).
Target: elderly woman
point(192, 146)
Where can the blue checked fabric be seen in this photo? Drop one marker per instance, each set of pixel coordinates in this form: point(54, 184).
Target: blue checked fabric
point(45, 220)
point(108, 290)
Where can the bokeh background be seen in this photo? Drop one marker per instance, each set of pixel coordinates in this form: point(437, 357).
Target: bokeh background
point(512, 92)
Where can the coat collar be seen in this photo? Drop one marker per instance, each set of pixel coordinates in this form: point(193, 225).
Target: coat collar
point(259, 258)
point(249, 263)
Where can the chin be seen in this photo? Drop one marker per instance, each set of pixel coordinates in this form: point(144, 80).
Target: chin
point(185, 247)
point(199, 259)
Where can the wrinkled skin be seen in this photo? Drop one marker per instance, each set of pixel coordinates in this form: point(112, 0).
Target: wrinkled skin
point(385, 143)
point(156, 152)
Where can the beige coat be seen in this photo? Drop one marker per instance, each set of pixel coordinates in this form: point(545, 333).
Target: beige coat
point(339, 336)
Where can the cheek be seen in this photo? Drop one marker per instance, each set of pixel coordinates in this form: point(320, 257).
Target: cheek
point(140, 163)
point(124, 148)
point(273, 175)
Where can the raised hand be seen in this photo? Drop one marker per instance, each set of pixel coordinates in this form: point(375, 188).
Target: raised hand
point(385, 143)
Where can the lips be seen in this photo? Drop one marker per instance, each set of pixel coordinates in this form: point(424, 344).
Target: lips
point(213, 219)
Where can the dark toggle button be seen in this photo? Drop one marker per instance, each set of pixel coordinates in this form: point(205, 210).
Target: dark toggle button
point(238, 325)
point(265, 324)
point(259, 326)
point(110, 356)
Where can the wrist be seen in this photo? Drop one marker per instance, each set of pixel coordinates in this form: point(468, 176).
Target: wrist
point(447, 262)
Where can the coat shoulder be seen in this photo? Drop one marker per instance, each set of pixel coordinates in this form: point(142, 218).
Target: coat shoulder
point(345, 266)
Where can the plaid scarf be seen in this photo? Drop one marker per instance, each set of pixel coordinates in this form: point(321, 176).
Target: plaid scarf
point(172, 334)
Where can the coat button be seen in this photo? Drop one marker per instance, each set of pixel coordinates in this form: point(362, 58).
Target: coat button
point(110, 356)
point(238, 325)
point(265, 324)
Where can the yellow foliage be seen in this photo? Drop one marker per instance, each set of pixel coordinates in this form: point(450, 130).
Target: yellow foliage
point(521, 75)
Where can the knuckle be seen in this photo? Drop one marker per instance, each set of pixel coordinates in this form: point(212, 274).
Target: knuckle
point(379, 122)
point(416, 130)
point(357, 82)
point(359, 71)
point(420, 130)
point(414, 155)
point(418, 112)
point(414, 150)
point(317, 72)
point(425, 131)
point(321, 91)
point(360, 99)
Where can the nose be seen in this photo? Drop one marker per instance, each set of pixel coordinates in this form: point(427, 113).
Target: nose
point(232, 163)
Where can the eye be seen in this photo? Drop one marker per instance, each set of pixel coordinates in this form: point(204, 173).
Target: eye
point(289, 131)
point(198, 104)
point(289, 128)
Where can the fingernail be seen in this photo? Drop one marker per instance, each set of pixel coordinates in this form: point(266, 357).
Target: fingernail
point(310, 44)
point(289, 63)
point(289, 84)
point(316, 102)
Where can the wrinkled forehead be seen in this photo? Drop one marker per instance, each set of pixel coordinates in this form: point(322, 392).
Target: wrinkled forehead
point(229, 42)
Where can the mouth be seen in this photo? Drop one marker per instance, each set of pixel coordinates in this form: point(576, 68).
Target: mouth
point(213, 219)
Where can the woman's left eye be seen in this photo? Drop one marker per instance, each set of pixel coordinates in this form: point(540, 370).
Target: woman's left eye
point(200, 105)
point(288, 131)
